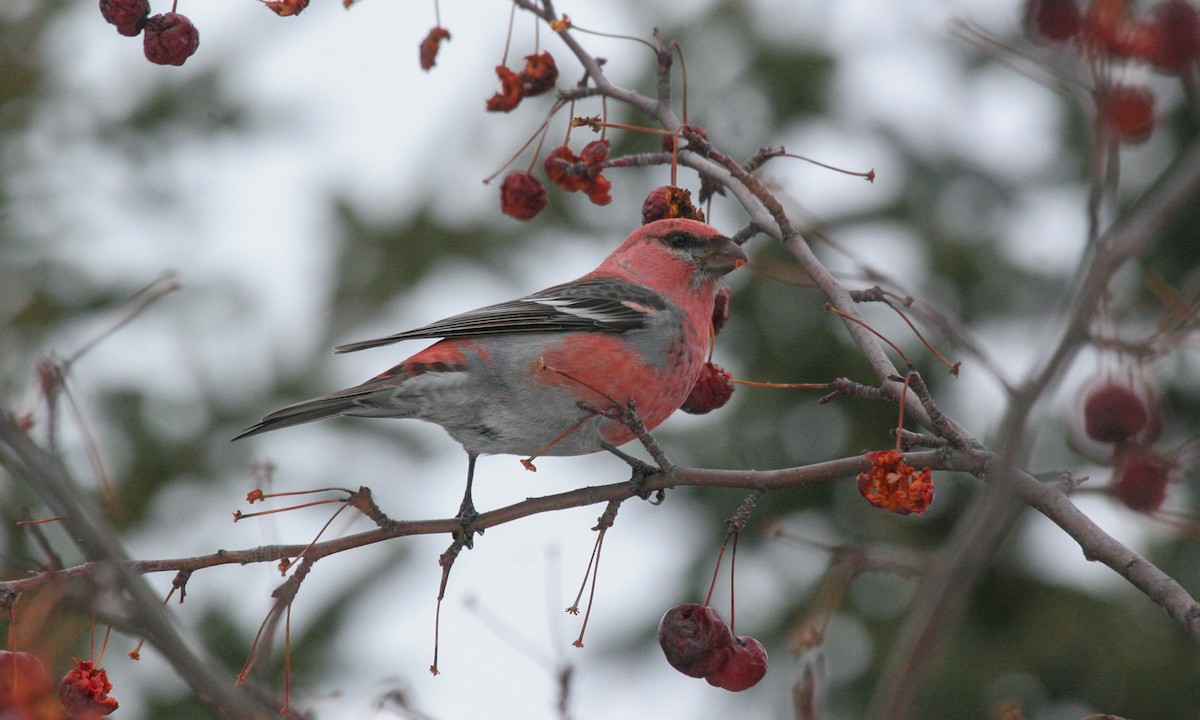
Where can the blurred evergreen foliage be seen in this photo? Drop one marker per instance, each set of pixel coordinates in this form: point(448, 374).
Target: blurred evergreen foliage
point(1119, 655)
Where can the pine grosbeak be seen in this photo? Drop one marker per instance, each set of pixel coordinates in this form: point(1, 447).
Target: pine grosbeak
point(514, 378)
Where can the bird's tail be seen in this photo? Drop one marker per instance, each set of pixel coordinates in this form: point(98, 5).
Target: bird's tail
point(307, 411)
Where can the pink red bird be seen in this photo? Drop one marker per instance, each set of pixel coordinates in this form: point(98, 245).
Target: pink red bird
point(517, 378)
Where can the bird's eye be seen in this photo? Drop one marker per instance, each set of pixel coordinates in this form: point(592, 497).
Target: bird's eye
point(678, 241)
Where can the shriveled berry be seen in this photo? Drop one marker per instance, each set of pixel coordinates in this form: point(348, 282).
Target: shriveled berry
point(654, 207)
point(1126, 112)
point(1140, 478)
point(430, 46)
point(721, 309)
point(745, 665)
point(597, 189)
point(669, 201)
point(595, 152)
point(1114, 413)
point(522, 196)
point(695, 639)
point(712, 390)
point(539, 74)
point(511, 91)
point(286, 8)
point(23, 680)
point(170, 39)
point(1177, 27)
point(555, 166)
point(128, 15)
point(896, 486)
point(1054, 20)
point(84, 691)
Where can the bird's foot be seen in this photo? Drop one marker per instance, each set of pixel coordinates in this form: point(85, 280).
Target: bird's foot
point(467, 515)
point(641, 471)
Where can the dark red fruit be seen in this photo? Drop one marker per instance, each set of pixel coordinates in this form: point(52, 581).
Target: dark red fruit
point(23, 681)
point(522, 196)
point(286, 8)
point(669, 201)
point(655, 206)
point(84, 691)
point(1139, 40)
point(1140, 478)
point(555, 166)
point(1114, 413)
point(1055, 20)
point(128, 15)
point(595, 152)
point(1126, 112)
point(745, 665)
point(695, 639)
point(721, 309)
point(430, 46)
point(511, 91)
point(1104, 22)
point(539, 74)
point(598, 188)
point(712, 390)
point(1177, 29)
point(170, 39)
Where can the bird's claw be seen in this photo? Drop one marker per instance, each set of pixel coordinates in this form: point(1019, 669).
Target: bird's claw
point(642, 471)
point(467, 515)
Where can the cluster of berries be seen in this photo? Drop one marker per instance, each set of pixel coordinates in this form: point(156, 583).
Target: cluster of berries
point(523, 196)
point(1124, 415)
point(537, 77)
point(1167, 39)
point(698, 643)
point(169, 39)
point(26, 689)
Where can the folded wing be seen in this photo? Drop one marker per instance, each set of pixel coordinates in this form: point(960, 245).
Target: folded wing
point(599, 305)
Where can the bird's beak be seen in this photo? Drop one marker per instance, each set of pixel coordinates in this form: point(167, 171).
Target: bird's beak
point(723, 256)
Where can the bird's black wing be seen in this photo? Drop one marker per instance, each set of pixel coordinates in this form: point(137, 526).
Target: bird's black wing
point(598, 305)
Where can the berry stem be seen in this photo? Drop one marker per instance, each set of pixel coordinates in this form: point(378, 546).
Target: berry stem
point(512, 14)
point(952, 367)
point(592, 592)
point(732, 572)
point(539, 135)
point(537, 33)
point(287, 662)
point(570, 25)
point(788, 386)
point(683, 74)
point(868, 175)
point(239, 515)
point(716, 569)
point(257, 495)
point(319, 534)
point(57, 518)
point(873, 331)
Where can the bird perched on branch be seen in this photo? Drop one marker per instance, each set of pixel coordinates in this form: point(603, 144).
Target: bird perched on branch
point(526, 377)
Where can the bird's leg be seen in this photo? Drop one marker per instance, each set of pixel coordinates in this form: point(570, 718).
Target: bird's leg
point(466, 510)
point(627, 416)
point(641, 471)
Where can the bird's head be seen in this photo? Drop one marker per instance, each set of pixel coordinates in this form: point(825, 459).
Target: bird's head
point(675, 250)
